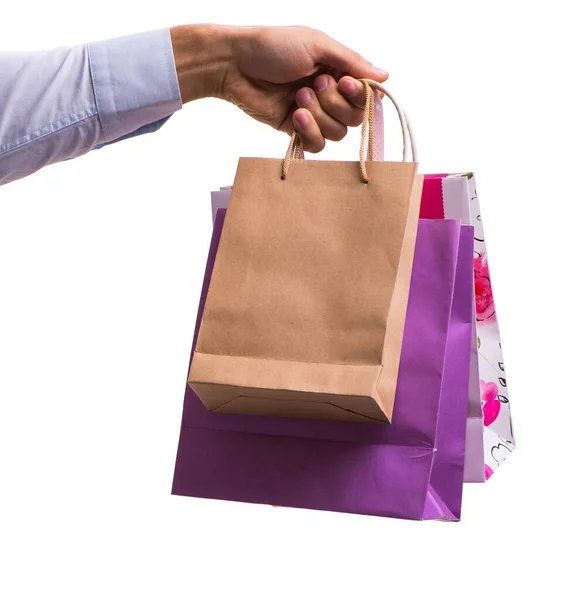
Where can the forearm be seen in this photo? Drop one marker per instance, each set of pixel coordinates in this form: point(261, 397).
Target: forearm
point(61, 104)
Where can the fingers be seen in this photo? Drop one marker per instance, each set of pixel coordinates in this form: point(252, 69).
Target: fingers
point(308, 131)
point(331, 128)
point(354, 92)
point(326, 112)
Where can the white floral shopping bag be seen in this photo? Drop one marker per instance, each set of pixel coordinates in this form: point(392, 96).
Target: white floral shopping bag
point(490, 435)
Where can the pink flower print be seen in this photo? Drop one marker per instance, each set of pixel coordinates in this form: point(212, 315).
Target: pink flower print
point(489, 402)
point(485, 308)
point(488, 472)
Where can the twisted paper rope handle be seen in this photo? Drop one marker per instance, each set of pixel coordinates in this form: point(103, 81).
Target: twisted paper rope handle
point(367, 135)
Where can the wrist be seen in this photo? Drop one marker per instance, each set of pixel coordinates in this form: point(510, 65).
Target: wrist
point(202, 55)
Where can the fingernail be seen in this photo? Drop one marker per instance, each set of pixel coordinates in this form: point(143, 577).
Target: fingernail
point(321, 83)
point(301, 119)
point(348, 87)
point(303, 97)
point(380, 73)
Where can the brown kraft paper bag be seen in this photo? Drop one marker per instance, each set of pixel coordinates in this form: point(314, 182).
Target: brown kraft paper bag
point(306, 306)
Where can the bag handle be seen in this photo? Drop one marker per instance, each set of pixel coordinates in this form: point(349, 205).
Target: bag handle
point(367, 136)
point(378, 153)
point(407, 132)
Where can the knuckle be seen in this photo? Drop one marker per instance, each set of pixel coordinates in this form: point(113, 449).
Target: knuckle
point(314, 145)
point(332, 102)
point(305, 97)
point(355, 119)
point(338, 134)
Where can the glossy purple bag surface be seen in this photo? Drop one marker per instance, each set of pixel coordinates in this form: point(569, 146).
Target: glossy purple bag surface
point(412, 468)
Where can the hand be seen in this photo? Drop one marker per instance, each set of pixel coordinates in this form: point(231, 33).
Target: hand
point(287, 77)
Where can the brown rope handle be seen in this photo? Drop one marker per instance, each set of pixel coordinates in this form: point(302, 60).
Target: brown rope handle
point(367, 133)
point(366, 139)
point(294, 149)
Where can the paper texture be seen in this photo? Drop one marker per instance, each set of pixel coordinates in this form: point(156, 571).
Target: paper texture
point(306, 307)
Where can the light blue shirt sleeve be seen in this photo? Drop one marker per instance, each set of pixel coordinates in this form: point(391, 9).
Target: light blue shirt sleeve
point(61, 104)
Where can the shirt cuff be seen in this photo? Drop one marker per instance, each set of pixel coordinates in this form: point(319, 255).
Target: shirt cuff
point(134, 80)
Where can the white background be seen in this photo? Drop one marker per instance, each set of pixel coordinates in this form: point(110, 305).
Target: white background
point(101, 262)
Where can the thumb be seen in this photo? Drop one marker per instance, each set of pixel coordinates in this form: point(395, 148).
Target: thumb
point(333, 54)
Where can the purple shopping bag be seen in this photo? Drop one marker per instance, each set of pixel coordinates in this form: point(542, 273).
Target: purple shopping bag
point(412, 468)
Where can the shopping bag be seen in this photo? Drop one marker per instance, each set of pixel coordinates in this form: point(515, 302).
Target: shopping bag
point(412, 468)
point(305, 312)
point(490, 436)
